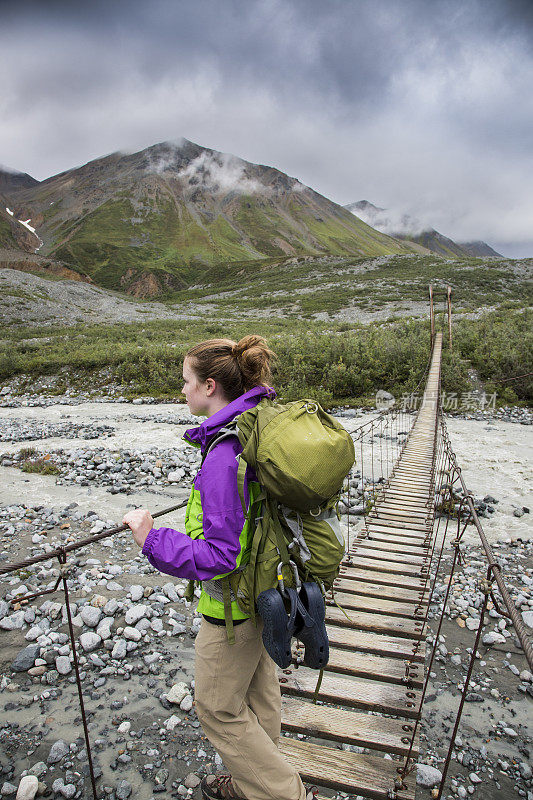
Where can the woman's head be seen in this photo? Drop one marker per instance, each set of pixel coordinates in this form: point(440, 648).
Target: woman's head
point(218, 371)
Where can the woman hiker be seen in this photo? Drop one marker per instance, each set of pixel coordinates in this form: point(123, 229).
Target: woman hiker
point(237, 692)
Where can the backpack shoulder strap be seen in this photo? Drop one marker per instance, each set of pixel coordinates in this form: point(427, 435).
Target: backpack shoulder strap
point(224, 433)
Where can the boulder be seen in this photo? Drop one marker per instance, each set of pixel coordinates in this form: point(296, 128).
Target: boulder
point(27, 788)
point(25, 659)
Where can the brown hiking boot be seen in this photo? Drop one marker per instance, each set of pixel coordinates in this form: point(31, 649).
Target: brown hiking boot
point(219, 787)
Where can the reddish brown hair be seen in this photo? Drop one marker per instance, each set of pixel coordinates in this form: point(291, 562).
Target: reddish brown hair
point(237, 366)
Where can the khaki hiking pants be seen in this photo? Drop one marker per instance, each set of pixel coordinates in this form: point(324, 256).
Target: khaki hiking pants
point(238, 704)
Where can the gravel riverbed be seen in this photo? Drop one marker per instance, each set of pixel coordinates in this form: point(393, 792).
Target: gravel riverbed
point(136, 631)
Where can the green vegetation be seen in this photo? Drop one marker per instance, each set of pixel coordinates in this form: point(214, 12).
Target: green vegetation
point(306, 286)
point(335, 363)
point(500, 347)
point(27, 452)
point(118, 243)
point(41, 465)
point(6, 235)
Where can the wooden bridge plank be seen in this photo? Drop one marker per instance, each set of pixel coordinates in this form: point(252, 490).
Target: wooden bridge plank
point(379, 623)
point(415, 511)
point(368, 562)
point(370, 776)
point(378, 668)
point(410, 497)
point(365, 547)
point(378, 591)
point(395, 536)
point(404, 527)
point(344, 725)
point(373, 605)
point(399, 514)
point(384, 578)
point(393, 544)
point(387, 698)
point(376, 643)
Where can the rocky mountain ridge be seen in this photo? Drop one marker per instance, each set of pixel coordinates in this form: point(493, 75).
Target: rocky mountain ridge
point(159, 219)
point(405, 228)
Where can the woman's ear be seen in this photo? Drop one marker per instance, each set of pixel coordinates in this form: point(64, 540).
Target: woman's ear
point(210, 387)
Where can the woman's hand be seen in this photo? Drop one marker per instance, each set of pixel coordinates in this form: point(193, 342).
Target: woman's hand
point(141, 522)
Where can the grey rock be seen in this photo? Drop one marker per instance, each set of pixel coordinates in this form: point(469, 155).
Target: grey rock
point(58, 751)
point(527, 616)
point(25, 659)
point(191, 781)
point(132, 634)
point(177, 693)
point(39, 769)
point(7, 789)
point(90, 641)
point(525, 770)
point(123, 790)
point(13, 621)
point(493, 638)
point(66, 790)
point(186, 703)
point(111, 607)
point(161, 776)
point(135, 613)
point(27, 788)
point(63, 665)
point(170, 591)
point(137, 592)
point(176, 476)
point(91, 616)
point(119, 649)
point(428, 776)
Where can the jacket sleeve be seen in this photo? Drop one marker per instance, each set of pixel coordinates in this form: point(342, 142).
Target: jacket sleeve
point(216, 553)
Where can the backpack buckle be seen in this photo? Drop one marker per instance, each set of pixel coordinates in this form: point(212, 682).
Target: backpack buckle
point(281, 582)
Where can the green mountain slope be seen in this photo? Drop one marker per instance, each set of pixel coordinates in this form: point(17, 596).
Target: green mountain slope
point(157, 220)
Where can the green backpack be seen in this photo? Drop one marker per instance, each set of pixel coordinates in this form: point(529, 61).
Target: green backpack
point(301, 456)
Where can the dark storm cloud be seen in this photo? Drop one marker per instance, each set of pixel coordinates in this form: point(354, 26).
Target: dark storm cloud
point(422, 106)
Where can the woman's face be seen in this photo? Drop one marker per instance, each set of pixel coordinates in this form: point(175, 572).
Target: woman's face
point(194, 391)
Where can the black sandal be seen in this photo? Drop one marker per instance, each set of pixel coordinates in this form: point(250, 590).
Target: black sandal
point(278, 626)
point(311, 625)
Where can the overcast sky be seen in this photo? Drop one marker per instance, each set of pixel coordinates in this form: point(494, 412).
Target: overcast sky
point(422, 106)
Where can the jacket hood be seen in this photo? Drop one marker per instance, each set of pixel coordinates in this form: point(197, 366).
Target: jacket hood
point(201, 435)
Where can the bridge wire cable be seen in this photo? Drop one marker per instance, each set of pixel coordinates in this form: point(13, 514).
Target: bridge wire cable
point(28, 562)
point(61, 554)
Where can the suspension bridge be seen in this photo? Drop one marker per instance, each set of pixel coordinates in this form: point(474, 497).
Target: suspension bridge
point(372, 691)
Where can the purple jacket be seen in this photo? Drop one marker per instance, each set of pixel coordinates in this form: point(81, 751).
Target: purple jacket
point(222, 518)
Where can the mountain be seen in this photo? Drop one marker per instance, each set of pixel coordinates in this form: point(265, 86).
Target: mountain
point(11, 180)
point(159, 219)
point(480, 250)
point(408, 229)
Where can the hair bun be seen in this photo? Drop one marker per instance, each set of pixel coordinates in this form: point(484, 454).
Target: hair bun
point(247, 343)
point(253, 359)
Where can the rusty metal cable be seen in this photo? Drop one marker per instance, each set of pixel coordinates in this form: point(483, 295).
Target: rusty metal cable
point(69, 548)
point(63, 560)
point(518, 623)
